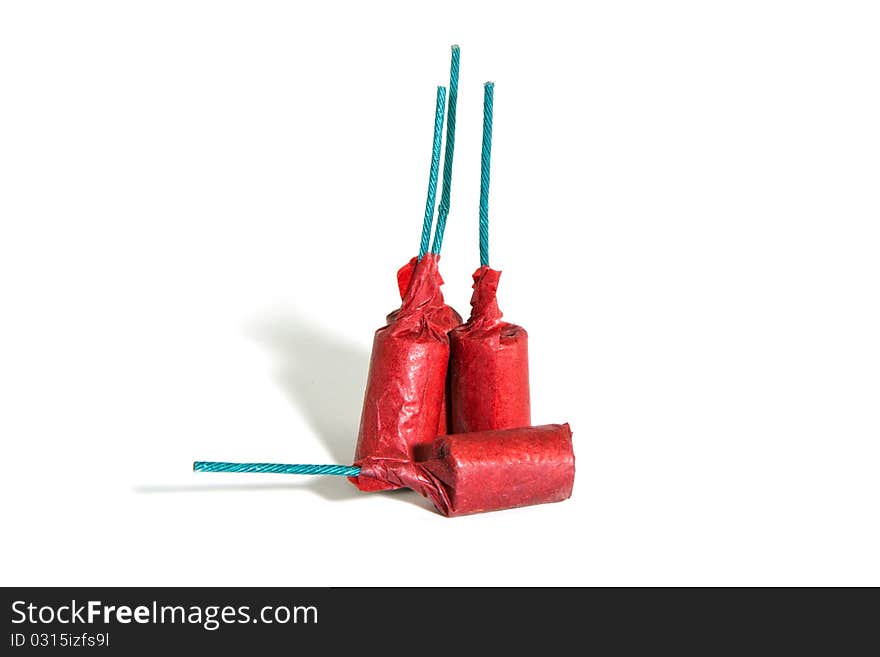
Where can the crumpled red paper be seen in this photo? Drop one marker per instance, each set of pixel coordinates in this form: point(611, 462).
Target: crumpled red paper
point(489, 368)
point(446, 318)
point(404, 401)
point(487, 471)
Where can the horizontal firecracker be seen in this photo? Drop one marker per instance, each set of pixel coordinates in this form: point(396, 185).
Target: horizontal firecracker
point(466, 473)
point(488, 470)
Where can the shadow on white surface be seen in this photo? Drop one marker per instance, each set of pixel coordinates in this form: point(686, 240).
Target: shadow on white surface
point(324, 376)
point(321, 373)
point(329, 488)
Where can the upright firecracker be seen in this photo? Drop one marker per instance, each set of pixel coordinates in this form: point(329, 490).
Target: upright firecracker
point(406, 383)
point(405, 399)
point(489, 366)
point(447, 318)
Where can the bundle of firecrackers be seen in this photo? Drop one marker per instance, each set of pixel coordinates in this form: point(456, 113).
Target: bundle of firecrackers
point(446, 408)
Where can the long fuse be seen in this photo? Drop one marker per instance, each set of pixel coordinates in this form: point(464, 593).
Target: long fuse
point(489, 366)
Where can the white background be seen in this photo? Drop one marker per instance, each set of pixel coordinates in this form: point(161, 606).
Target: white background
point(203, 207)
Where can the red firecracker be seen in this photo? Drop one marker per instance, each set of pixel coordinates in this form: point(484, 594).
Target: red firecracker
point(489, 370)
point(447, 319)
point(405, 399)
point(488, 470)
point(406, 384)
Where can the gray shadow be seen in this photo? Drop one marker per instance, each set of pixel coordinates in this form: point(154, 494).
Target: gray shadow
point(322, 374)
point(328, 488)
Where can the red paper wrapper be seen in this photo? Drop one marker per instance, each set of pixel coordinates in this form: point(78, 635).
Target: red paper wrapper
point(446, 318)
point(406, 384)
point(487, 470)
point(489, 369)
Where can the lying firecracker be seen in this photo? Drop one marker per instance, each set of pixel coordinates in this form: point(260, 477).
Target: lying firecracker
point(467, 473)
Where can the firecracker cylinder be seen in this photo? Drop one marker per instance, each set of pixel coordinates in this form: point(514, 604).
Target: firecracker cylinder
point(489, 366)
point(487, 470)
point(406, 383)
